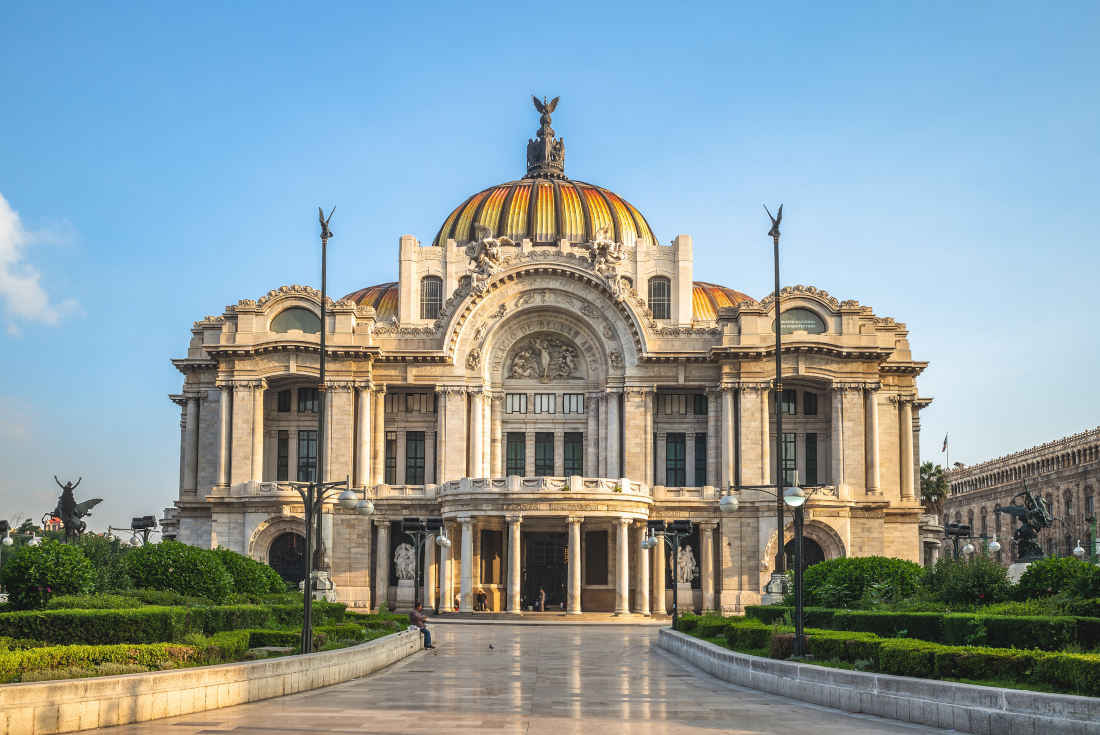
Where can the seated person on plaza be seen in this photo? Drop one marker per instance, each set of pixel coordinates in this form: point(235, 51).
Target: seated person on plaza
point(418, 619)
point(482, 601)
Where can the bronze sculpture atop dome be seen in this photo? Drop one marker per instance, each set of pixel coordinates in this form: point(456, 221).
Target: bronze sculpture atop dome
point(545, 153)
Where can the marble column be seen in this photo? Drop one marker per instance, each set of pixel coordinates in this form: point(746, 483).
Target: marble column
point(476, 435)
point(622, 572)
point(614, 468)
point(466, 582)
point(573, 604)
point(660, 576)
point(363, 437)
point(836, 441)
point(766, 438)
point(706, 562)
point(648, 398)
point(643, 573)
point(591, 445)
point(715, 473)
point(441, 439)
point(191, 444)
point(514, 523)
point(870, 397)
point(381, 562)
point(907, 471)
point(728, 452)
point(430, 584)
point(258, 432)
point(603, 471)
point(225, 419)
point(497, 441)
point(378, 456)
point(446, 586)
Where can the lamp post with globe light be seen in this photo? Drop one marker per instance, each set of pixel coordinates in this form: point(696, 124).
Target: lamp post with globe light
point(670, 534)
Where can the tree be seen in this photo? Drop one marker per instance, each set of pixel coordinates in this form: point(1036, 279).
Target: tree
point(933, 487)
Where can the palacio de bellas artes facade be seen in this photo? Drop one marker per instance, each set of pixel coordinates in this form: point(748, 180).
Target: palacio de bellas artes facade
point(546, 376)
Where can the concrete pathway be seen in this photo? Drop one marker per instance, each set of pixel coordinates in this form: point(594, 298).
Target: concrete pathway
point(545, 679)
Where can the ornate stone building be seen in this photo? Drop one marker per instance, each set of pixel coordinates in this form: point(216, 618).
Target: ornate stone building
point(1064, 471)
point(546, 376)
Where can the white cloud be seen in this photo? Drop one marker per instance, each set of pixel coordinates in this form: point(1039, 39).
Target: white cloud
point(22, 297)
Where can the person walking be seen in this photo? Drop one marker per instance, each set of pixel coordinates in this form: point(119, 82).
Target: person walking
point(542, 600)
point(420, 620)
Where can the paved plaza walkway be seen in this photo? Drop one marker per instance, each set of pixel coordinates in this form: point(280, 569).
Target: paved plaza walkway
point(551, 679)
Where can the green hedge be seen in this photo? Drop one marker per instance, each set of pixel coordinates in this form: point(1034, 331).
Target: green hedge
point(748, 634)
point(814, 617)
point(228, 645)
point(925, 626)
point(93, 602)
point(14, 663)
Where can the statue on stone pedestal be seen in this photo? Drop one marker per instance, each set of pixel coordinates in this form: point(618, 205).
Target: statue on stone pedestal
point(685, 565)
point(71, 512)
point(1034, 516)
point(404, 558)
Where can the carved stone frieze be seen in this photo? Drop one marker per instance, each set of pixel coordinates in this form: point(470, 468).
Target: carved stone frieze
point(543, 358)
point(615, 359)
point(473, 359)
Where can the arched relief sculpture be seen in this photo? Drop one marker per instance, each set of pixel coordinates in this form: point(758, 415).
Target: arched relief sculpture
point(543, 358)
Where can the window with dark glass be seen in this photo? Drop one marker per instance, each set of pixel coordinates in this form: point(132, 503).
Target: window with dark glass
point(660, 293)
point(307, 400)
point(809, 404)
point(544, 453)
point(674, 460)
point(676, 404)
point(282, 464)
point(492, 556)
point(787, 402)
point(595, 557)
point(811, 459)
point(307, 456)
point(700, 460)
point(790, 471)
point(283, 400)
point(700, 401)
point(391, 457)
point(431, 297)
point(1088, 504)
point(517, 453)
point(1069, 507)
point(414, 457)
point(574, 453)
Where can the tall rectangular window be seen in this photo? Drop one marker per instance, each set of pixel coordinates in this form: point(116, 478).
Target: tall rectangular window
point(492, 556)
point(544, 453)
point(572, 403)
point(414, 457)
point(517, 453)
point(700, 402)
point(307, 400)
point(790, 470)
point(544, 403)
point(431, 297)
point(674, 460)
point(574, 453)
point(282, 466)
point(700, 460)
point(787, 402)
point(675, 403)
point(283, 401)
point(809, 404)
point(307, 456)
point(811, 458)
point(660, 297)
point(515, 403)
point(391, 457)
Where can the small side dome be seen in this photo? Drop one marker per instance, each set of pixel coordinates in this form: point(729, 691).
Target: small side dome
point(382, 297)
point(708, 298)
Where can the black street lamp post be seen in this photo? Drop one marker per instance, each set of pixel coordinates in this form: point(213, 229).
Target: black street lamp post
point(780, 558)
point(145, 525)
point(956, 533)
point(671, 535)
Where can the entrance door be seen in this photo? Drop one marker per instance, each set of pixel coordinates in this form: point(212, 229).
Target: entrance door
point(287, 557)
point(544, 565)
point(811, 553)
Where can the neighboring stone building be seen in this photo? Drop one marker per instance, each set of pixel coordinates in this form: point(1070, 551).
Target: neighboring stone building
point(1065, 472)
point(546, 376)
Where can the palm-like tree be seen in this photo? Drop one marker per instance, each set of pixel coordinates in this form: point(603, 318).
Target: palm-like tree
point(933, 487)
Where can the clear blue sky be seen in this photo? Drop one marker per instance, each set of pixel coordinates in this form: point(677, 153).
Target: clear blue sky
point(938, 162)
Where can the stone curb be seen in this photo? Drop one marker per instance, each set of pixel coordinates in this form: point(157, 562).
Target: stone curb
point(47, 707)
point(963, 707)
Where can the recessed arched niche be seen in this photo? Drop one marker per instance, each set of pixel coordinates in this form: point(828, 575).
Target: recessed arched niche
point(544, 357)
point(296, 319)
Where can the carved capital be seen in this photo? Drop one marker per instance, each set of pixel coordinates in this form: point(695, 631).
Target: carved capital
point(574, 520)
point(513, 519)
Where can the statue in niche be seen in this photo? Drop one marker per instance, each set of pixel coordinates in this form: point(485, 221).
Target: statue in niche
point(544, 359)
point(485, 254)
point(404, 559)
point(685, 565)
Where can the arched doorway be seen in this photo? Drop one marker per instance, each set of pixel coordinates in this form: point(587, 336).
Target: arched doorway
point(287, 557)
point(811, 553)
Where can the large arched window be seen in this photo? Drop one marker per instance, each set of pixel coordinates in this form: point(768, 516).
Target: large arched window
point(431, 297)
point(660, 297)
point(296, 318)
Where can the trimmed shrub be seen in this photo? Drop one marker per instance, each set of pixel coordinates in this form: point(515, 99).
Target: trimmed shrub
point(711, 626)
point(748, 634)
point(14, 663)
point(34, 574)
point(828, 645)
point(188, 570)
point(92, 602)
point(250, 577)
point(260, 638)
point(906, 657)
point(324, 613)
point(781, 646)
point(108, 562)
point(1050, 576)
point(166, 598)
point(1073, 672)
point(975, 581)
point(1089, 608)
point(769, 613)
point(211, 620)
point(142, 625)
point(925, 626)
point(228, 645)
point(984, 663)
point(843, 581)
point(687, 623)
